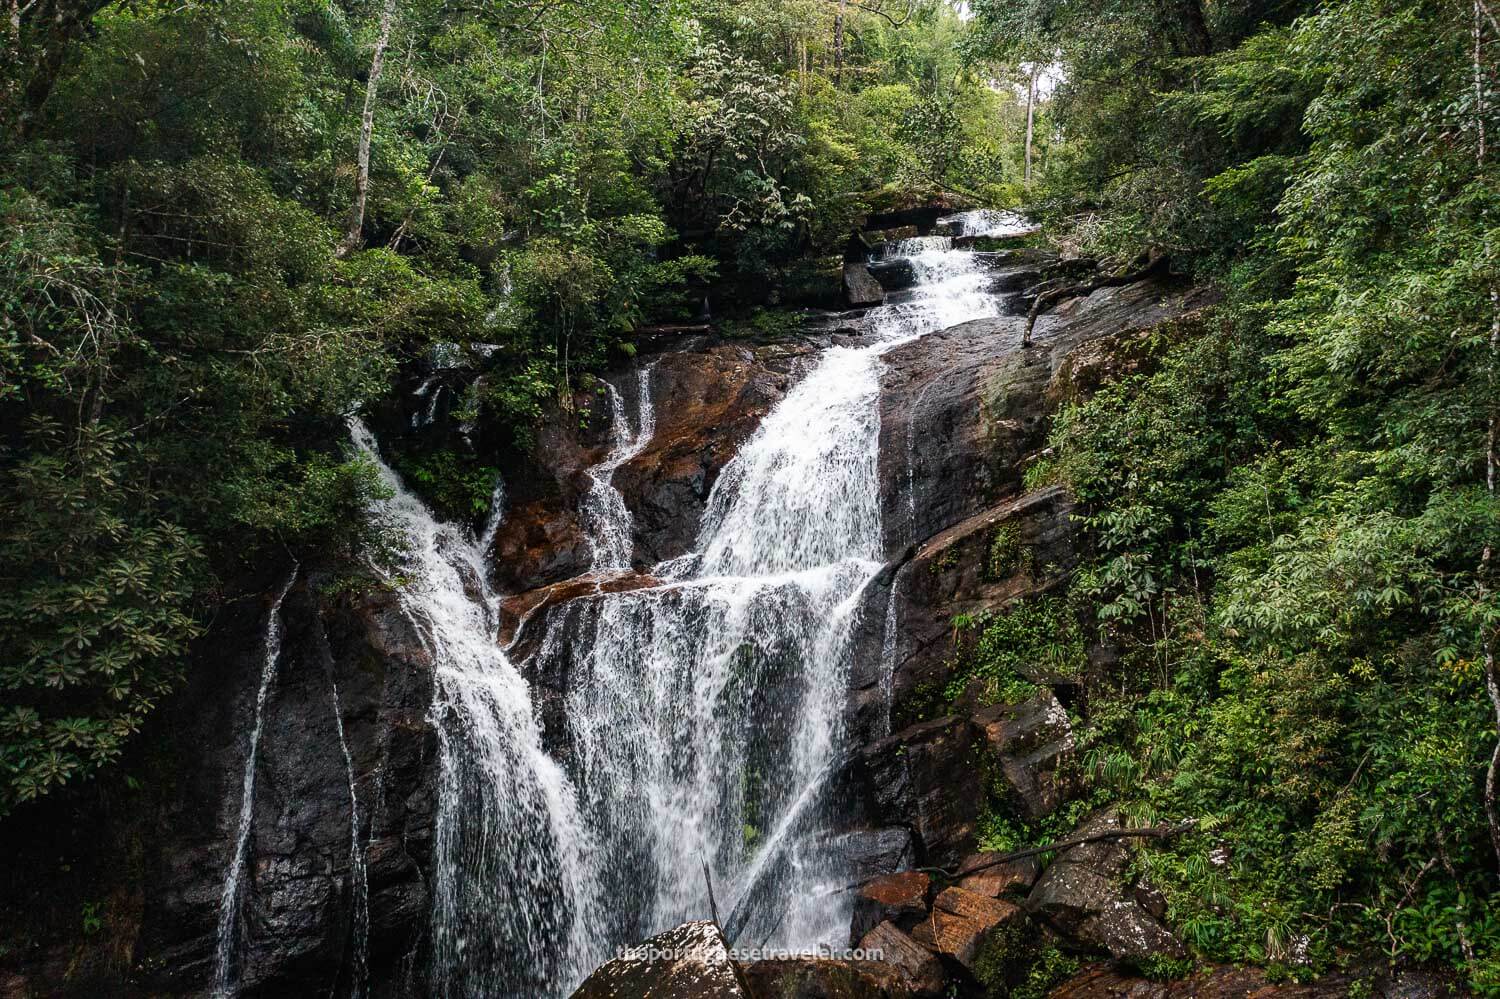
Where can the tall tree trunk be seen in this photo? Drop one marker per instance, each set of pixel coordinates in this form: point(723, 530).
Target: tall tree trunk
point(356, 222)
point(838, 43)
point(1030, 116)
point(1491, 675)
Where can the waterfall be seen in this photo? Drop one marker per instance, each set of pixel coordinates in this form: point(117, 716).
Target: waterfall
point(987, 222)
point(705, 716)
point(915, 245)
point(610, 526)
point(229, 899)
point(493, 518)
point(514, 909)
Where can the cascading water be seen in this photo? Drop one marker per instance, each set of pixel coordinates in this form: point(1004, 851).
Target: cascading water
point(610, 526)
point(705, 715)
point(229, 899)
point(987, 222)
point(514, 906)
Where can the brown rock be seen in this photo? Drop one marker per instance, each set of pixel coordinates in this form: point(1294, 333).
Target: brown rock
point(519, 610)
point(690, 961)
point(820, 978)
point(899, 898)
point(918, 967)
point(960, 923)
point(995, 880)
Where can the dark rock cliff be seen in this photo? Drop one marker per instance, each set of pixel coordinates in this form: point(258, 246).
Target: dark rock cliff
point(124, 900)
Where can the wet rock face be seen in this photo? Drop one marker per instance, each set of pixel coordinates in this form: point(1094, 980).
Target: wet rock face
point(709, 396)
point(962, 408)
point(690, 961)
point(927, 777)
point(963, 411)
point(707, 404)
point(169, 850)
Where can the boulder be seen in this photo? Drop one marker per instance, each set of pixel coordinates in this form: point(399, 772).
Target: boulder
point(860, 287)
point(869, 853)
point(961, 922)
point(691, 961)
point(980, 874)
point(1032, 744)
point(896, 898)
point(821, 978)
point(926, 776)
point(894, 274)
point(1083, 894)
point(917, 966)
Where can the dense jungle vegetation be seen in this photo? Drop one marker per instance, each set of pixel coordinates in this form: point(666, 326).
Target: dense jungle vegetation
point(1293, 517)
point(224, 225)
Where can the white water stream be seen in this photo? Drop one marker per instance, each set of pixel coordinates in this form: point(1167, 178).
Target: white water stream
point(225, 983)
point(514, 911)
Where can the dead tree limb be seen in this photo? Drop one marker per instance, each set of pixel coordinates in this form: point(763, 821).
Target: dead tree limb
point(356, 224)
point(1147, 832)
point(713, 906)
point(1049, 293)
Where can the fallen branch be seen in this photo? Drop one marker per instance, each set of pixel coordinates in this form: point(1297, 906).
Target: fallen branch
point(1148, 832)
point(1049, 293)
point(713, 906)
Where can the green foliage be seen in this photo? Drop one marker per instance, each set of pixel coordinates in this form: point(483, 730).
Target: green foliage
point(95, 608)
point(1289, 514)
point(455, 485)
point(1024, 642)
point(1008, 555)
point(1012, 964)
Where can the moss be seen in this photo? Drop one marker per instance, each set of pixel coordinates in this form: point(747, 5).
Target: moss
point(1015, 964)
point(947, 560)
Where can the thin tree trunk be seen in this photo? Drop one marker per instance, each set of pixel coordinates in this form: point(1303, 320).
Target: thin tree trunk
point(1196, 37)
point(1491, 677)
point(356, 224)
point(1030, 116)
point(838, 43)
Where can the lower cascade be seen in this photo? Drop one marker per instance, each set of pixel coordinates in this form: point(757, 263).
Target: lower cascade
point(704, 713)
